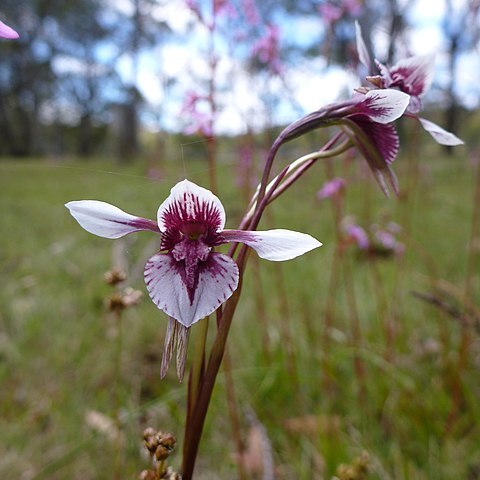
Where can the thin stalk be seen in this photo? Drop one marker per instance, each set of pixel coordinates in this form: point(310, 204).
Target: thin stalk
point(118, 466)
point(261, 314)
point(233, 414)
point(198, 362)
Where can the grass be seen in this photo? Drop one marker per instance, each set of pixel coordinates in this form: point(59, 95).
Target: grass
point(58, 343)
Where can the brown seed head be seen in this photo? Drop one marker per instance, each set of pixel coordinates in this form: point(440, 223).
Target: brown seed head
point(114, 276)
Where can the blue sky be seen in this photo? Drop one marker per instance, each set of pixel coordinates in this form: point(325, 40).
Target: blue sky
point(310, 83)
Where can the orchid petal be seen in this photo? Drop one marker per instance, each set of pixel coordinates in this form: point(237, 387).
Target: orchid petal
point(440, 135)
point(275, 245)
point(362, 49)
point(217, 280)
point(415, 74)
point(383, 106)
point(7, 32)
point(106, 220)
point(189, 203)
point(384, 136)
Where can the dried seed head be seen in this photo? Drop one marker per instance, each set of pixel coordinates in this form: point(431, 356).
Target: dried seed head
point(158, 443)
point(115, 303)
point(121, 300)
point(148, 475)
point(115, 276)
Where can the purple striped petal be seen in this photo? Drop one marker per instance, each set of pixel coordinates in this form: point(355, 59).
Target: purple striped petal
point(413, 75)
point(383, 106)
point(190, 204)
point(275, 245)
point(383, 136)
point(164, 277)
point(106, 220)
point(440, 135)
point(7, 32)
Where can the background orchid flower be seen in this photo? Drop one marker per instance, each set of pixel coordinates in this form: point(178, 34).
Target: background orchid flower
point(186, 278)
point(373, 132)
point(413, 76)
point(368, 117)
point(7, 32)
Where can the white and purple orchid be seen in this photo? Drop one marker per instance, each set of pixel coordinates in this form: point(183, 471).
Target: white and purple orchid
point(186, 278)
point(7, 32)
point(369, 117)
point(412, 76)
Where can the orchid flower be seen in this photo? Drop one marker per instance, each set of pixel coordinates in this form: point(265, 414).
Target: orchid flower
point(7, 32)
point(367, 119)
point(413, 76)
point(186, 278)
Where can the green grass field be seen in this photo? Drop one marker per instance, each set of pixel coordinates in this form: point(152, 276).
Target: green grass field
point(329, 371)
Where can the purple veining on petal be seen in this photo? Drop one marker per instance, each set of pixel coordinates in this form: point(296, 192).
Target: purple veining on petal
point(191, 215)
point(383, 136)
point(217, 280)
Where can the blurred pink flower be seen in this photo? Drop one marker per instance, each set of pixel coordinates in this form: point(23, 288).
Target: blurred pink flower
point(224, 7)
point(330, 13)
point(357, 234)
point(7, 32)
point(198, 121)
point(352, 7)
point(267, 49)
point(249, 8)
point(186, 278)
point(331, 188)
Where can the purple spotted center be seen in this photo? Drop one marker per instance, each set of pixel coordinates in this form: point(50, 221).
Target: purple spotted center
point(191, 231)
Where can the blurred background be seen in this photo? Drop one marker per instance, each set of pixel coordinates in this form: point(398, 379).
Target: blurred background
point(358, 361)
point(98, 77)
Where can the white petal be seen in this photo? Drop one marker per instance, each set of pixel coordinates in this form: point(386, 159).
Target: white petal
point(276, 245)
point(106, 220)
point(362, 49)
point(197, 203)
point(385, 105)
point(417, 72)
point(218, 279)
point(440, 135)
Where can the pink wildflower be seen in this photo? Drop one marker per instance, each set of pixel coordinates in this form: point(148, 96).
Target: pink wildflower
point(267, 49)
point(200, 121)
point(330, 13)
point(250, 11)
point(186, 278)
point(331, 188)
point(358, 235)
point(7, 32)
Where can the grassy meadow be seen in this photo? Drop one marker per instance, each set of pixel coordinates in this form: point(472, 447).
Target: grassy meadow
point(332, 355)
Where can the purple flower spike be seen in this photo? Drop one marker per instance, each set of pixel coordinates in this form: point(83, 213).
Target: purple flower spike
point(186, 278)
point(7, 32)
